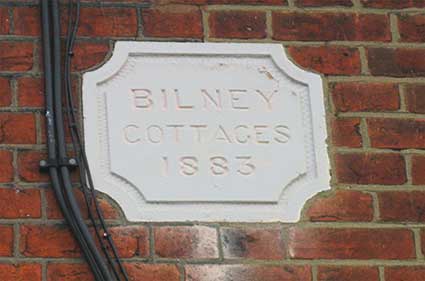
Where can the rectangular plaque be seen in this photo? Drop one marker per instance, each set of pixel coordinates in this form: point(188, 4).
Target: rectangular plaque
point(205, 132)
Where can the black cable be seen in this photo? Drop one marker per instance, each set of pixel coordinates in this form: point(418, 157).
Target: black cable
point(54, 116)
point(67, 185)
point(88, 190)
point(50, 116)
point(85, 175)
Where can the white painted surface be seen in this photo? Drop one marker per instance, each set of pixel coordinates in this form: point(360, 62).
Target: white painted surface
point(205, 132)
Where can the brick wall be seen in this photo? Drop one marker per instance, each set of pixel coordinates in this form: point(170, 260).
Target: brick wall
point(371, 226)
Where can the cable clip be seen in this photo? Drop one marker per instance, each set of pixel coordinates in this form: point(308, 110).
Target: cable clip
point(58, 163)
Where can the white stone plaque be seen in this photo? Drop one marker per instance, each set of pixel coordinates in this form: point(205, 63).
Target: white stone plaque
point(205, 132)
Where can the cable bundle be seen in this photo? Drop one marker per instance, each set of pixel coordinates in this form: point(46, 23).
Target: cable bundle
point(104, 267)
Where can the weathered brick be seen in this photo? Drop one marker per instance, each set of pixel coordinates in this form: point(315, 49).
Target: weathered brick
point(347, 273)
point(341, 205)
point(328, 60)
point(298, 26)
point(173, 21)
point(396, 133)
point(247, 272)
point(17, 128)
point(402, 206)
point(29, 164)
point(26, 21)
point(6, 166)
point(186, 242)
point(232, 2)
point(415, 98)
point(238, 24)
point(4, 20)
point(19, 203)
point(30, 92)
point(393, 4)
point(6, 241)
point(48, 241)
point(88, 55)
point(412, 28)
point(68, 272)
point(252, 243)
point(131, 241)
point(153, 272)
point(20, 272)
point(356, 243)
point(116, 22)
point(54, 212)
point(370, 168)
point(5, 92)
point(321, 3)
point(418, 168)
point(407, 273)
point(16, 56)
point(396, 62)
point(356, 96)
point(346, 132)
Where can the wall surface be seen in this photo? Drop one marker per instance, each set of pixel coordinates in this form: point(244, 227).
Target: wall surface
point(371, 226)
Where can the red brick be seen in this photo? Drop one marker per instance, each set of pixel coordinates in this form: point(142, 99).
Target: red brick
point(396, 133)
point(415, 98)
point(396, 62)
point(131, 241)
point(103, 22)
point(418, 168)
point(152, 272)
point(321, 3)
point(347, 273)
point(54, 212)
point(173, 21)
point(246, 2)
point(6, 166)
point(19, 203)
point(26, 21)
point(252, 243)
point(6, 241)
point(356, 243)
point(238, 24)
point(296, 26)
point(28, 166)
point(20, 272)
point(412, 28)
point(356, 96)
point(88, 55)
point(48, 241)
point(327, 60)
point(393, 4)
point(402, 206)
point(4, 20)
point(124, 1)
point(408, 273)
point(247, 273)
point(346, 132)
point(68, 272)
point(5, 92)
point(186, 242)
point(30, 92)
point(370, 168)
point(341, 205)
point(16, 56)
point(17, 128)
point(232, 2)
